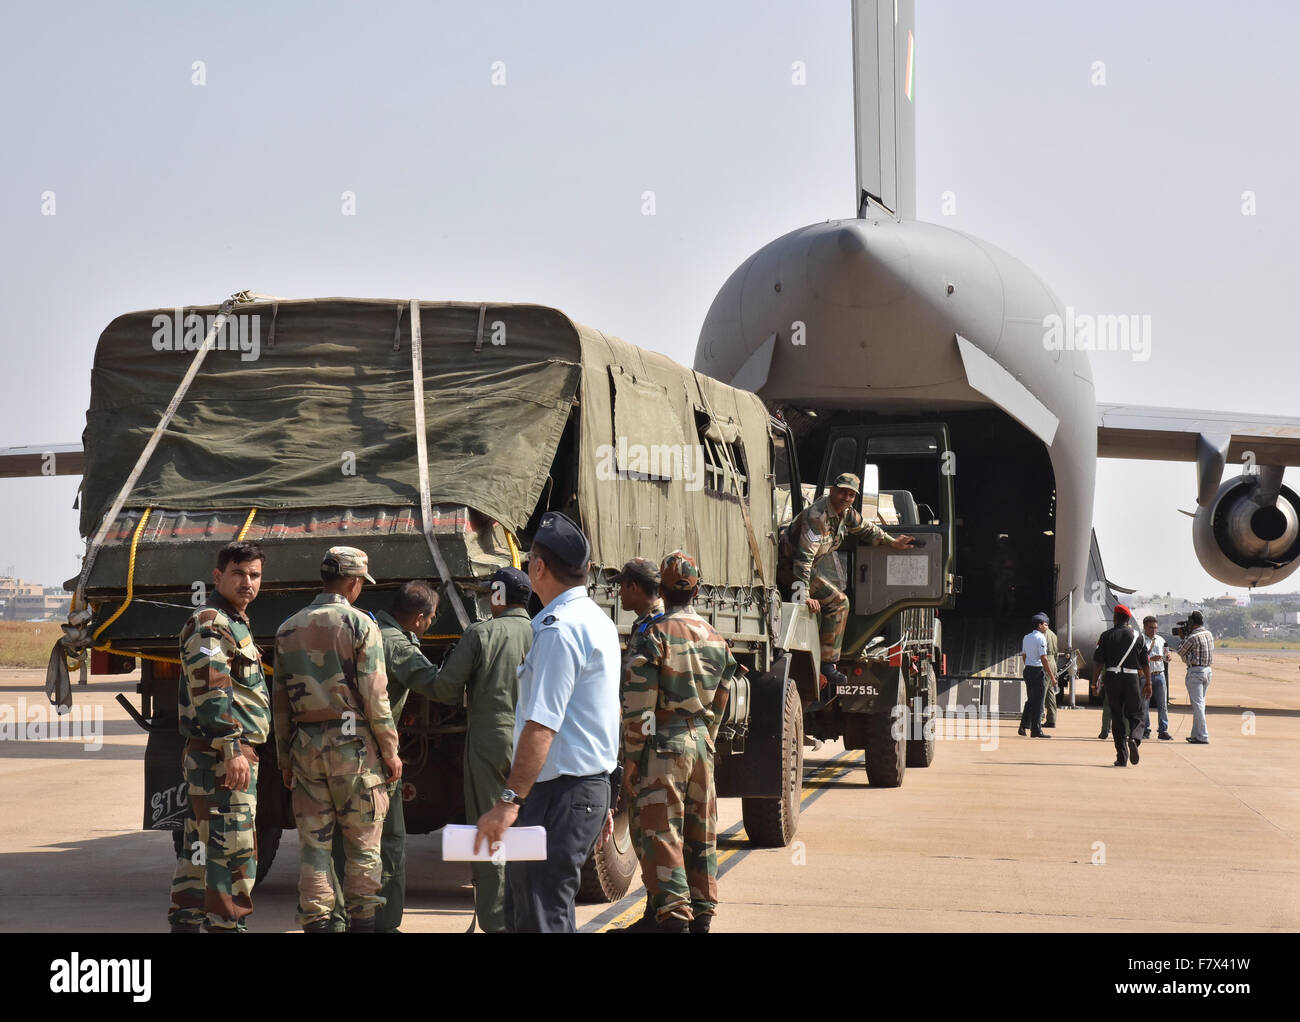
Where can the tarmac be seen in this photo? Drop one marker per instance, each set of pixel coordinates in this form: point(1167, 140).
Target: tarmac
point(1001, 833)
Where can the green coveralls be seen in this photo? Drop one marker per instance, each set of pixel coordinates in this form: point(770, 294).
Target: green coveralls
point(408, 671)
point(484, 665)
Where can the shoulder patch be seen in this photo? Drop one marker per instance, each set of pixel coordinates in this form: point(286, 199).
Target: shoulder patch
point(549, 619)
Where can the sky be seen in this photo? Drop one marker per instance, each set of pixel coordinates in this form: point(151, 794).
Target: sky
point(500, 151)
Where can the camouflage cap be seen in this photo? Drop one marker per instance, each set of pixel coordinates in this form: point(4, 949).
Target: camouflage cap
point(679, 572)
point(347, 562)
point(848, 481)
point(638, 569)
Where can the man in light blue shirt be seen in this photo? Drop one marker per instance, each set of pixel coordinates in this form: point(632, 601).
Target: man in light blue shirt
point(1038, 675)
point(567, 721)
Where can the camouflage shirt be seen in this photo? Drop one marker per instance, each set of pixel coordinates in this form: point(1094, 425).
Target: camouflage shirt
point(223, 694)
point(639, 626)
point(329, 663)
point(817, 531)
point(679, 667)
point(655, 612)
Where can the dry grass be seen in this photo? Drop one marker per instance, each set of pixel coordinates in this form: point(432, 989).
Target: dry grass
point(27, 643)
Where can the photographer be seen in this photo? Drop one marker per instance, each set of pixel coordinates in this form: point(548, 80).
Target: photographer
point(1197, 651)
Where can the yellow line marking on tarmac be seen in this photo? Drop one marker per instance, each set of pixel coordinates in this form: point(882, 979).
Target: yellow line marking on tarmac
point(812, 784)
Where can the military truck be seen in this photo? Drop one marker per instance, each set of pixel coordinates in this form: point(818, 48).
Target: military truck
point(437, 450)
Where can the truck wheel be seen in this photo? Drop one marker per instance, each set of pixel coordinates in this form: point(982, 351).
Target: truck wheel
point(886, 752)
point(772, 822)
point(920, 751)
point(268, 843)
point(608, 872)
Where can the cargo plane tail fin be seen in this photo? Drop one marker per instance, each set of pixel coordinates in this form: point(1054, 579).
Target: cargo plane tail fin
point(883, 106)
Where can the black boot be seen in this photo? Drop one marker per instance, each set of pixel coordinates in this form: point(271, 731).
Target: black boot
point(319, 926)
point(834, 678)
point(187, 928)
point(358, 924)
point(700, 924)
point(673, 924)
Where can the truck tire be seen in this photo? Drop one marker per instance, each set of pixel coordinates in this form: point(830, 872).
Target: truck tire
point(886, 752)
point(920, 751)
point(268, 843)
point(608, 872)
point(772, 822)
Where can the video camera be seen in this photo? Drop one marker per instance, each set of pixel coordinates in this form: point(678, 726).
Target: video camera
point(1180, 630)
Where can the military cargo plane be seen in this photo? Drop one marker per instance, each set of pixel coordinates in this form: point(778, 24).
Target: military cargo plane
point(849, 328)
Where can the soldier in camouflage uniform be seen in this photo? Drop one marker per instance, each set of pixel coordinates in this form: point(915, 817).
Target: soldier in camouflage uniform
point(414, 608)
point(333, 724)
point(483, 669)
point(224, 712)
point(674, 694)
point(638, 592)
point(816, 533)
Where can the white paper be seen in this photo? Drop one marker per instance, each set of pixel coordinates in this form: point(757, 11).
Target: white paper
point(520, 844)
point(907, 570)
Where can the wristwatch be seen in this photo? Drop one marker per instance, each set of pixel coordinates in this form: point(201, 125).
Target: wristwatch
point(512, 797)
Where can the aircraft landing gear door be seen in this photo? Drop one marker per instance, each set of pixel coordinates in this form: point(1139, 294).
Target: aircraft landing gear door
point(907, 489)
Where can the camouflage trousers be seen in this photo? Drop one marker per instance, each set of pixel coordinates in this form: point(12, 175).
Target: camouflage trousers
point(675, 806)
point(834, 613)
point(834, 616)
point(336, 784)
point(213, 882)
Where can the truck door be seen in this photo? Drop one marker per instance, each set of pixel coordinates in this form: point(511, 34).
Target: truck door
point(906, 473)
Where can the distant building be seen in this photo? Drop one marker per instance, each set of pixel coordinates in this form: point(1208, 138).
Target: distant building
point(31, 601)
point(1224, 602)
point(1169, 609)
point(1257, 597)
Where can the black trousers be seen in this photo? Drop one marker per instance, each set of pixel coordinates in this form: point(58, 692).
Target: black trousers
point(1127, 711)
point(540, 895)
point(1035, 691)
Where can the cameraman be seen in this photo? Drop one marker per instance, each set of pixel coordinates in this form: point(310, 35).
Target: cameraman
point(1197, 651)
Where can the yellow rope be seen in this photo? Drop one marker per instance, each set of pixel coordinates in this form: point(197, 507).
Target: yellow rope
point(130, 576)
point(130, 588)
point(106, 648)
point(514, 549)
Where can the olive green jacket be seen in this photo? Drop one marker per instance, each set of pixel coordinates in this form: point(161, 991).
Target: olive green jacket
point(409, 670)
point(485, 665)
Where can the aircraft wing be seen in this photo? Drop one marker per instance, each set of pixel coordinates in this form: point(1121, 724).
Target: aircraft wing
point(1171, 434)
point(1211, 439)
point(41, 460)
